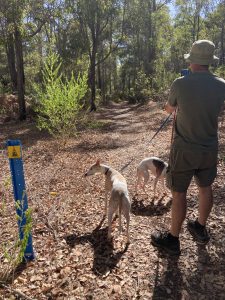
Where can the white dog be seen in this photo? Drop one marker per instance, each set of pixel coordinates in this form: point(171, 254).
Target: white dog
point(157, 167)
point(115, 184)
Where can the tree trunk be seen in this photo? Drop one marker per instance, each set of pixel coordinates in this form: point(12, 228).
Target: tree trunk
point(129, 85)
point(222, 60)
point(154, 5)
point(11, 61)
point(110, 76)
point(99, 78)
point(114, 75)
point(151, 46)
point(123, 79)
point(20, 74)
point(198, 26)
point(104, 83)
point(92, 79)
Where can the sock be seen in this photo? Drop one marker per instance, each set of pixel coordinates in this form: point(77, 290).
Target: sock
point(199, 225)
point(173, 238)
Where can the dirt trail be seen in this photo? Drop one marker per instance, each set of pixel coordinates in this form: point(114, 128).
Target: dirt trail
point(69, 231)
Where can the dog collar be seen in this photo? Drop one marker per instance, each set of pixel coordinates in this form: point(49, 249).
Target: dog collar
point(106, 171)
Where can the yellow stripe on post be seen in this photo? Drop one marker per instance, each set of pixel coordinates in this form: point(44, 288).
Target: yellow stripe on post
point(14, 152)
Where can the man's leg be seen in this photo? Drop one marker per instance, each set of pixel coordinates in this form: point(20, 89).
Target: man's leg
point(205, 204)
point(178, 213)
point(169, 241)
point(197, 228)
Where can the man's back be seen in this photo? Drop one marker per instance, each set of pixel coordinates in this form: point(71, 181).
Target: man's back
point(200, 97)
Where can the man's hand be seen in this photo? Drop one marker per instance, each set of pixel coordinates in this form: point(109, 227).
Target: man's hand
point(170, 109)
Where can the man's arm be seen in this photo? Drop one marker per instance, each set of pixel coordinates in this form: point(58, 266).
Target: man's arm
point(170, 109)
point(171, 104)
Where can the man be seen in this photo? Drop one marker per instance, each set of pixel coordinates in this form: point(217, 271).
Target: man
point(198, 99)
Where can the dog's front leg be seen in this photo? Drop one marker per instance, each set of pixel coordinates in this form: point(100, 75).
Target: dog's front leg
point(155, 183)
point(106, 200)
point(146, 178)
point(110, 215)
point(127, 216)
point(137, 184)
point(163, 184)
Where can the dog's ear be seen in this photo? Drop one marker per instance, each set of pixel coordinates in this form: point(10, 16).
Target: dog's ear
point(98, 162)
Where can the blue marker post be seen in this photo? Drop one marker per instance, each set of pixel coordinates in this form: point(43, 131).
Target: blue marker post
point(184, 72)
point(14, 148)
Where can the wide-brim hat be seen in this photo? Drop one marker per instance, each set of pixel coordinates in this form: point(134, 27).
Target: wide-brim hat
point(201, 53)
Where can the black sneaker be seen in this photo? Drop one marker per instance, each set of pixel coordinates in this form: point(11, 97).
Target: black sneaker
point(198, 231)
point(167, 242)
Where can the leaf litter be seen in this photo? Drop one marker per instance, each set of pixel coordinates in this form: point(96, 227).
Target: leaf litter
point(73, 258)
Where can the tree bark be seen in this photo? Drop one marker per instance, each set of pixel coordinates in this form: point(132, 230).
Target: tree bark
point(95, 29)
point(150, 37)
point(104, 83)
point(92, 76)
point(99, 77)
point(11, 61)
point(222, 60)
point(20, 74)
point(198, 26)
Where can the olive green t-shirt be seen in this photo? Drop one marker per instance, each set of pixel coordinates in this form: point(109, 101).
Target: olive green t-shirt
point(199, 98)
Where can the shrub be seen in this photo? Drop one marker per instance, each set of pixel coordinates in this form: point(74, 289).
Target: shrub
point(13, 249)
point(220, 71)
point(59, 100)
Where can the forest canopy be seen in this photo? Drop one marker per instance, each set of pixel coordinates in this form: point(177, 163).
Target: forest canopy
point(130, 49)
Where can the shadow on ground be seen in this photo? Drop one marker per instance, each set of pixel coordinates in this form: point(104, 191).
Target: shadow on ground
point(154, 208)
point(205, 281)
point(26, 132)
point(105, 258)
point(104, 144)
point(169, 284)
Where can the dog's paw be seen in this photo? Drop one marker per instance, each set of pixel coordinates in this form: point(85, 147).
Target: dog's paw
point(109, 237)
point(110, 241)
point(128, 242)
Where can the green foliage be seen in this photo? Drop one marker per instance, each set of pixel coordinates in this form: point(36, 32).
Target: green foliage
point(220, 71)
point(22, 244)
point(59, 100)
point(13, 252)
point(94, 124)
point(141, 90)
point(163, 77)
point(32, 69)
point(127, 38)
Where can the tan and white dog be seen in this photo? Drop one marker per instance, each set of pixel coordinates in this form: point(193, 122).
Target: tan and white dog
point(116, 185)
point(157, 167)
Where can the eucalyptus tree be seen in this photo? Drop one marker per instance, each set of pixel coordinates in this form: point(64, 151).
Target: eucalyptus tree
point(98, 20)
point(189, 25)
point(215, 29)
point(191, 14)
point(198, 19)
point(20, 21)
point(145, 23)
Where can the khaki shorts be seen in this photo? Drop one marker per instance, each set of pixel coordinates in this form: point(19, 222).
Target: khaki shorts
point(186, 164)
